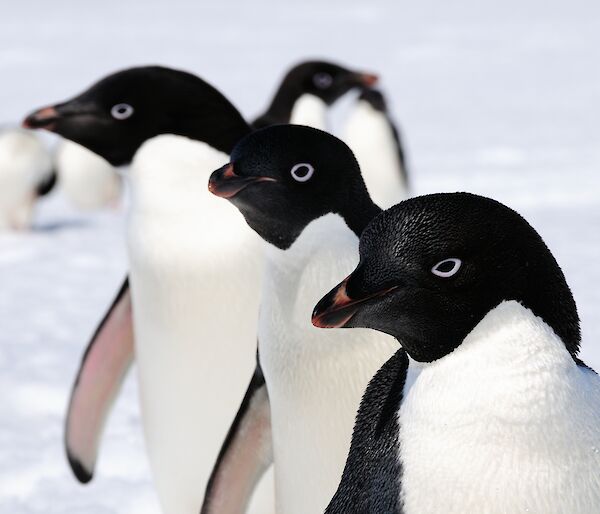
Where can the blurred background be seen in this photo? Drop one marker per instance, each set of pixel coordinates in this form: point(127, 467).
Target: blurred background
point(496, 98)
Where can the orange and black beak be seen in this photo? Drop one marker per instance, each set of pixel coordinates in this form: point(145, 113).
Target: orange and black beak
point(45, 118)
point(226, 183)
point(337, 308)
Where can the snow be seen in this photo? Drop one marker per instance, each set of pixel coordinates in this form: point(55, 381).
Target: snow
point(497, 98)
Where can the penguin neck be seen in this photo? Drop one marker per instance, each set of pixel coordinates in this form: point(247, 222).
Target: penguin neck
point(311, 111)
point(549, 297)
point(509, 335)
point(359, 213)
point(328, 230)
point(228, 128)
point(280, 108)
point(169, 174)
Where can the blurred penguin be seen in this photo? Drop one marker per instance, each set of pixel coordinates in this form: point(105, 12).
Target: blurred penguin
point(373, 137)
point(88, 181)
point(26, 173)
point(308, 90)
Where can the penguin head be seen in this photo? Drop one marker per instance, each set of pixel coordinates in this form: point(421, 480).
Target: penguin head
point(432, 267)
point(325, 80)
point(284, 176)
point(117, 114)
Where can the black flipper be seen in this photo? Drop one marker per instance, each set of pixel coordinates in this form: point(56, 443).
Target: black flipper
point(371, 480)
point(103, 368)
point(401, 155)
point(246, 453)
point(47, 184)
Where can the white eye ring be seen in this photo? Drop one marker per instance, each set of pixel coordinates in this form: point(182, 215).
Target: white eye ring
point(302, 178)
point(121, 111)
point(323, 80)
point(456, 264)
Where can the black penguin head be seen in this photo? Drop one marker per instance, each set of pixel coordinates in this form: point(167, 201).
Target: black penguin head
point(433, 266)
point(326, 80)
point(283, 177)
point(117, 114)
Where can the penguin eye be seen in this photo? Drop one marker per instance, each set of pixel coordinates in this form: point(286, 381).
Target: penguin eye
point(121, 111)
point(322, 80)
point(302, 172)
point(446, 268)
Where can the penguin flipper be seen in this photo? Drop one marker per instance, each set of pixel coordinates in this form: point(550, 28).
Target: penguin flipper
point(105, 363)
point(401, 155)
point(46, 184)
point(245, 455)
point(371, 478)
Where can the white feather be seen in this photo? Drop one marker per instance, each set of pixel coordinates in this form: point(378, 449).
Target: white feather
point(506, 423)
point(24, 162)
point(311, 111)
point(368, 133)
point(88, 181)
point(195, 274)
point(315, 377)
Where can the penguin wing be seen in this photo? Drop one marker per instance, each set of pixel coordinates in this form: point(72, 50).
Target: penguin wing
point(46, 184)
point(246, 453)
point(401, 155)
point(103, 368)
point(371, 479)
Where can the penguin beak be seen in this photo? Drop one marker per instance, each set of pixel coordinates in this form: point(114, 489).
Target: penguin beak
point(226, 183)
point(367, 79)
point(337, 308)
point(45, 118)
point(52, 116)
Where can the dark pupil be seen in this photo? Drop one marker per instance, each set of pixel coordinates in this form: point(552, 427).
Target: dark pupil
point(122, 110)
point(446, 266)
point(301, 172)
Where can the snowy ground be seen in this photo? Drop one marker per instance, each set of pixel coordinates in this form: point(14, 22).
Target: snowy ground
point(500, 99)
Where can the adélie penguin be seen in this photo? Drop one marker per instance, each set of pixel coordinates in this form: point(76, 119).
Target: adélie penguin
point(486, 407)
point(194, 266)
point(375, 140)
point(301, 190)
point(87, 180)
point(308, 89)
point(26, 173)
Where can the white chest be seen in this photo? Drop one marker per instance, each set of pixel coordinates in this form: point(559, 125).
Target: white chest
point(315, 377)
point(506, 423)
point(369, 134)
point(195, 280)
point(310, 111)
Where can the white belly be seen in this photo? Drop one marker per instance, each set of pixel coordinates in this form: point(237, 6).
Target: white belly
point(24, 161)
point(195, 277)
point(315, 377)
point(507, 423)
point(368, 133)
point(88, 181)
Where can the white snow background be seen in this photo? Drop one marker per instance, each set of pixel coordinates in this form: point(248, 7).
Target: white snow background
point(497, 98)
